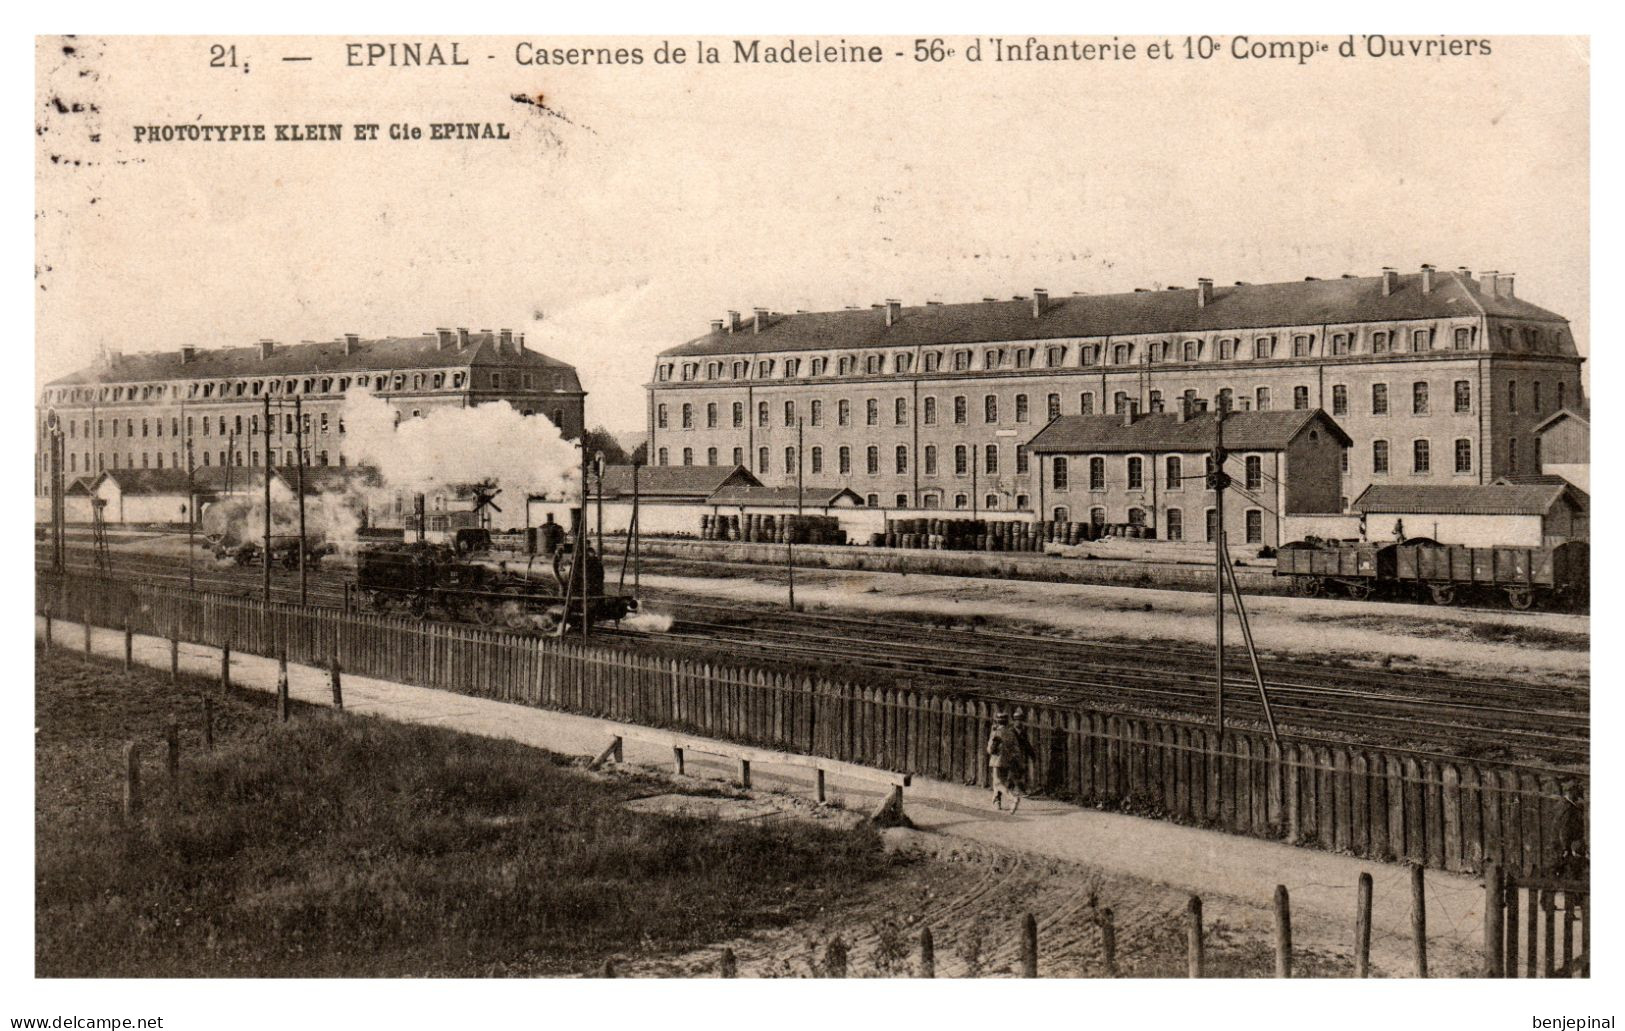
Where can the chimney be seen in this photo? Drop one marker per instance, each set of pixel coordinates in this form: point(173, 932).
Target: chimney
point(716, 325)
point(758, 320)
point(894, 311)
point(265, 348)
point(1506, 285)
point(1184, 412)
point(350, 342)
point(1040, 302)
point(733, 322)
point(462, 337)
point(1489, 283)
point(188, 354)
point(1390, 281)
point(519, 343)
point(1427, 279)
point(1130, 410)
point(505, 340)
point(1204, 292)
point(442, 339)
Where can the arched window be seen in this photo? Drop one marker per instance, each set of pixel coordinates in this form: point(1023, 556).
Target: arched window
point(1058, 473)
point(902, 458)
point(790, 460)
point(1175, 469)
point(871, 412)
point(761, 460)
point(900, 411)
point(990, 501)
point(789, 413)
point(1097, 473)
point(688, 416)
point(817, 413)
point(1174, 524)
point(1421, 460)
point(1136, 516)
point(761, 413)
point(1022, 414)
point(990, 408)
point(844, 456)
point(688, 456)
point(1300, 398)
point(816, 460)
point(1060, 514)
point(961, 460)
point(929, 413)
point(872, 460)
point(1136, 473)
point(930, 460)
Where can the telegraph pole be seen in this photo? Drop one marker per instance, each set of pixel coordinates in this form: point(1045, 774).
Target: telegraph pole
point(299, 448)
point(265, 556)
point(579, 572)
point(1220, 480)
point(790, 533)
point(191, 518)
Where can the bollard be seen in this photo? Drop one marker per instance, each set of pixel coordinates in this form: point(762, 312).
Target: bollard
point(333, 679)
point(1419, 920)
point(1362, 928)
point(928, 954)
point(744, 773)
point(172, 738)
point(1029, 946)
point(1283, 932)
point(835, 959)
point(730, 964)
point(282, 688)
point(174, 655)
point(1494, 900)
point(821, 796)
point(1108, 940)
point(47, 626)
point(608, 969)
point(208, 723)
point(87, 637)
point(677, 757)
point(129, 647)
point(225, 666)
point(1194, 958)
point(132, 782)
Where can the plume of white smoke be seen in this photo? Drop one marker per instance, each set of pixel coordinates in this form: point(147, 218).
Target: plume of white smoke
point(241, 517)
point(487, 443)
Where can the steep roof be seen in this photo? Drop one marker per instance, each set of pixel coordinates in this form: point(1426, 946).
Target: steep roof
point(315, 357)
point(657, 481)
point(1534, 499)
point(1300, 303)
point(147, 481)
point(1243, 431)
point(1581, 414)
point(814, 497)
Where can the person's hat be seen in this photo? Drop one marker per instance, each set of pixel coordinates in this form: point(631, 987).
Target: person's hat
point(1000, 715)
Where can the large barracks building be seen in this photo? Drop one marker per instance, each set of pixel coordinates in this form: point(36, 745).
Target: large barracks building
point(140, 411)
point(1435, 376)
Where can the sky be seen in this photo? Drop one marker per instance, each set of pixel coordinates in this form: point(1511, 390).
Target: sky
point(636, 204)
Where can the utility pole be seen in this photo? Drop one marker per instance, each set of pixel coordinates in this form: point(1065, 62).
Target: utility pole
point(637, 532)
point(790, 532)
point(191, 518)
point(598, 493)
point(1219, 480)
point(579, 573)
point(299, 448)
point(265, 556)
point(58, 498)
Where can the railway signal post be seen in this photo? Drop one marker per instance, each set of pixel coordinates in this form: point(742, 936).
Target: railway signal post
point(1218, 481)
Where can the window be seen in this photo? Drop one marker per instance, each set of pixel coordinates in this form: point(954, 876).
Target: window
point(873, 501)
point(901, 499)
point(1058, 473)
point(1086, 403)
point(961, 411)
point(1154, 401)
point(820, 366)
point(902, 459)
point(1344, 463)
point(872, 460)
point(1512, 454)
point(1174, 524)
point(929, 414)
point(1021, 408)
point(1340, 399)
point(789, 413)
point(1560, 393)
point(1421, 339)
point(1534, 396)
point(710, 456)
point(761, 459)
point(1255, 472)
point(1263, 347)
point(817, 413)
point(961, 501)
point(1464, 339)
point(761, 413)
point(1136, 473)
point(846, 364)
point(1175, 473)
point(843, 412)
point(961, 460)
point(1054, 405)
point(871, 412)
point(903, 362)
point(1303, 346)
point(1464, 396)
point(1097, 517)
point(738, 417)
point(688, 416)
point(1340, 343)
point(711, 415)
point(738, 456)
point(1464, 455)
point(816, 460)
point(1255, 526)
point(1226, 400)
point(1420, 458)
point(1097, 473)
point(790, 460)
point(990, 408)
point(1021, 460)
point(961, 361)
point(1379, 457)
point(933, 361)
point(1055, 357)
point(1122, 354)
point(1089, 354)
point(792, 368)
point(1380, 342)
point(844, 459)
point(1193, 350)
point(930, 459)
point(991, 464)
point(1023, 502)
point(1227, 349)
point(1419, 398)
point(1119, 403)
point(663, 457)
point(1512, 396)
point(1300, 398)
point(1535, 463)
point(900, 412)
point(1379, 399)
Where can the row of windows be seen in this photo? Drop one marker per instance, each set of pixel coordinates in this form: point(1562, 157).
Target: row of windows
point(80, 462)
point(382, 381)
point(1057, 356)
point(962, 454)
point(204, 425)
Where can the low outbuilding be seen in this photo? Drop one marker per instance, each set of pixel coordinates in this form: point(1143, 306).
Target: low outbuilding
point(1525, 515)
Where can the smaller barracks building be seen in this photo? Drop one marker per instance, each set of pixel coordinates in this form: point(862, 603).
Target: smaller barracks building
point(1150, 470)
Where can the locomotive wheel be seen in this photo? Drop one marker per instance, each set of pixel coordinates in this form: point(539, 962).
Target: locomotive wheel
point(482, 612)
point(1307, 586)
point(1443, 594)
point(1520, 598)
point(1359, 591)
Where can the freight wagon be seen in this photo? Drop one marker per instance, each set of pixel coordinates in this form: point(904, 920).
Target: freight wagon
point(1445, 574)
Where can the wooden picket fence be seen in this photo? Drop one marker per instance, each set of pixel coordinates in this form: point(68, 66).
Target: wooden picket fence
point(1381, 803)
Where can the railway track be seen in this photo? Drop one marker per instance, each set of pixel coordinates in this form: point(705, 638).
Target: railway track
point(1460, 716)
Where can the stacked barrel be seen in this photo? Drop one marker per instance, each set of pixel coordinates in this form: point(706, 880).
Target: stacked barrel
point(759, 528)
point(980, 534)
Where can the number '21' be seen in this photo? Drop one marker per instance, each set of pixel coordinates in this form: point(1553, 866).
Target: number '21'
point(222, 56)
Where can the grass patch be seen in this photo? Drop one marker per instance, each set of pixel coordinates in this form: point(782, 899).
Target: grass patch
point(1473, 632)
point(347, 846)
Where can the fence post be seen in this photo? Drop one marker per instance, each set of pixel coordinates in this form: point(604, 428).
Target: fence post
point(820, 786)
point(172, 739)
point(87, 635)
point(225, 666)
point(282, 687)
point(928, 953)
point(1283, 932)
point(1362, 928)
point(1419, 919)
point(835, 958)
point(1494, 913)
point(174, 654)
point(1548, 908)
point(1108, 940)
point(132, 782)
point(129, 647)
point(1029, 946)
point(677, 757)
point(744, 773)
point(48, 633)
point(333, 678)
point(730, 964)
point(1194, 959)
point(208, 723)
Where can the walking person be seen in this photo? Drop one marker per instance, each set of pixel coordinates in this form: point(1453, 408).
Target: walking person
point(1008, 753)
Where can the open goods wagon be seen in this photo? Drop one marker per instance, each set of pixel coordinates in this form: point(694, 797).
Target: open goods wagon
point(1446, 574)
